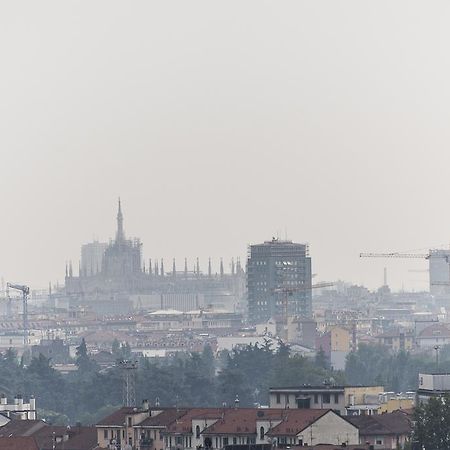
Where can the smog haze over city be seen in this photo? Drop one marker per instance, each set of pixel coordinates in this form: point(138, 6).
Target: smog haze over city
point(224, 124)
point(224, 225)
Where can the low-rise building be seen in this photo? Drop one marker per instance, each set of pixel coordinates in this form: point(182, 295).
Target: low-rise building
point(436, 334)
point(384, 431)
point(18, 409)
point(337, 398)
point(397, 340)
point(432, 385)
point(216, 428)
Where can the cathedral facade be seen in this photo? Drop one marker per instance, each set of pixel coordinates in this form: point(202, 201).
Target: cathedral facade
point(115, 273)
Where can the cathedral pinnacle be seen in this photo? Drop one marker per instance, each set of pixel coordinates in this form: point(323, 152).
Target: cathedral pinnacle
point(120, 236)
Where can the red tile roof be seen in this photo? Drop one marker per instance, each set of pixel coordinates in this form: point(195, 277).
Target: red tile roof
point(163, 419)
point(184, 423)
point(296, 420)
point(396, 423)
point(435, 331)
point(21, 428)
point(117, 418)
point(18, 443)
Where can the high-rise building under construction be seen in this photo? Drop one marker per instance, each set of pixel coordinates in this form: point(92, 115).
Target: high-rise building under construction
point(278, 280)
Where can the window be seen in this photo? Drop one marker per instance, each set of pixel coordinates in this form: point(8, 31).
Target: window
point(225, 441)
point(287, 399)
point(379, 441)
point(304, 403)
point(105, 434)
point(326, 398)
point(197, 432)
point(336, 398)
point(234, 441)
point(261, 433)
point(129, 421)
point(278, 398)
point(316, 398)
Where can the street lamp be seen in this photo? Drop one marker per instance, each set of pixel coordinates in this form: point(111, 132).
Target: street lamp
point(437, 348)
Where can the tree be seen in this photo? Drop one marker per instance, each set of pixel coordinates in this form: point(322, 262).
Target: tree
point(84, 363)
point(432, 424)
point(321, 359)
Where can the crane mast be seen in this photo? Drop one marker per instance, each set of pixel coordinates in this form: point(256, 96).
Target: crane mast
point(25, 292)
point(288, 291)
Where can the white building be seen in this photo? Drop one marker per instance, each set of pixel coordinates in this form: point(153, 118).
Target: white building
point(18, 409)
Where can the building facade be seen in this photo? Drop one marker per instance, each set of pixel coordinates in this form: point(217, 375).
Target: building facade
point(114, 279)
point(278, 280)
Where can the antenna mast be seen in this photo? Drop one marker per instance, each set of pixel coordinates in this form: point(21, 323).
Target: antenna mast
point(129, 369)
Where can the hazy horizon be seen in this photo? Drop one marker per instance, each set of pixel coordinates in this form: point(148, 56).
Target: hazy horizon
point(224, 124)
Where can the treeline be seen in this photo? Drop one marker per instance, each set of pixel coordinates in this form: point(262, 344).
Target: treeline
point(189, 379)
point(397, 372)
point(199, 379)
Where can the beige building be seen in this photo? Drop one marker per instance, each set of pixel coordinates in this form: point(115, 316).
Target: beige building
point(337, 398)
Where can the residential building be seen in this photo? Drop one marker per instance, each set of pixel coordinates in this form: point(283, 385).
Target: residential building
point(432, 385)
point(278, 280)
point(216, 428)
point(55, 349)
point(397, 340)
point(18, 409)
point(437, 334)
point(338, 398)
point(45, 436)
point(384, 431)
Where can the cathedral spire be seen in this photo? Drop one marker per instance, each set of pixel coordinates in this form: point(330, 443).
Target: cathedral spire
point(120, 236)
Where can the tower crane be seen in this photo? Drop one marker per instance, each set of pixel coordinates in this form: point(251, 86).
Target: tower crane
point(428, 255)
point(25, 292)
point(288, 291)
point(402, 255)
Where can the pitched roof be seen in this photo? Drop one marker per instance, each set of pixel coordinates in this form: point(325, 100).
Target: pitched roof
point(244, 420)
point(183, 424)
point(234, 421)
point(21, 428)
point(117, 418)
point(434, 331)
point(163, 419)
point(18, 443)
point(296, 420)
point(389, 423)
point(80, 438)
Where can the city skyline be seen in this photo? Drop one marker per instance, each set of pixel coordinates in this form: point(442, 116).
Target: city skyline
point(219, 128)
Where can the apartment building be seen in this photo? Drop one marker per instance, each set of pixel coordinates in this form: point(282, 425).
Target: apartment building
point(215, 428)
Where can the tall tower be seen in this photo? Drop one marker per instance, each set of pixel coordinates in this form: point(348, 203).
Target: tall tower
point(120, 236)
point(272, 267)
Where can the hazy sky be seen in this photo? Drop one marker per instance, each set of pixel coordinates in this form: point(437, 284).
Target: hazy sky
point(222, 123)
